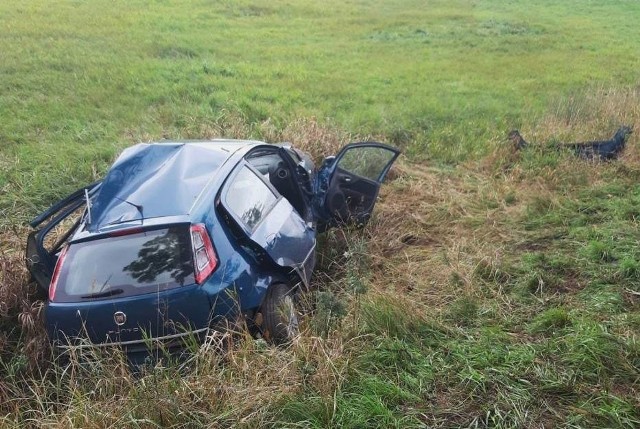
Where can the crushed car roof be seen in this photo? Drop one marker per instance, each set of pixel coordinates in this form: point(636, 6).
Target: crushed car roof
point(152, 180)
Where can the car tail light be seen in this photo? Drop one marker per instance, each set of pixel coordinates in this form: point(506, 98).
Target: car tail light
point(205, 260)
point(56, 273)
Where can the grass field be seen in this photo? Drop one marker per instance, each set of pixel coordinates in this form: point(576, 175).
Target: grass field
point(491, 289)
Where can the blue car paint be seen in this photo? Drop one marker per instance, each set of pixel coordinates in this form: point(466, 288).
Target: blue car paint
point(293, 244)
point(156, 174)
point(153, 185)
point(157, 180)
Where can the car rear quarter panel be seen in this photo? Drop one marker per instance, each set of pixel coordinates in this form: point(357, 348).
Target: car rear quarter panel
point(243, 272)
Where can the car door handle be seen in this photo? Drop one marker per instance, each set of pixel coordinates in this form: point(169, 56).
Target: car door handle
point(345, 179)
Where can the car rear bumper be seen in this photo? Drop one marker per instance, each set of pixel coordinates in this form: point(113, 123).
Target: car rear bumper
point(146, 343)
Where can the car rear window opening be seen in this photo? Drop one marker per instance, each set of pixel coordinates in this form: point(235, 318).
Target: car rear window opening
point(135, 264)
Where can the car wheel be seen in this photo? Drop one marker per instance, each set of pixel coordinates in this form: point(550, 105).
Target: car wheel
point(279, 313)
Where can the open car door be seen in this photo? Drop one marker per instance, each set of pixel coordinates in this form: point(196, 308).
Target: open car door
point(347, 185)
point(52, 229)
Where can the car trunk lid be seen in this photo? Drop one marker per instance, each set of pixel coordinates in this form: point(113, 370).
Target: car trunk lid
point(127, 287)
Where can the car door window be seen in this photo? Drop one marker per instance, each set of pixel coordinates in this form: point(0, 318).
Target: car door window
point(249, 198)
point(367, 162)
point(347, 185)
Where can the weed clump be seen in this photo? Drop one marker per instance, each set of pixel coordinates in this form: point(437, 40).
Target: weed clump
point(463, 311)
point(599, 251)
point(550, 321)
point(329, 311)
point(596, 354)
point(490, 271)
point(629, 269)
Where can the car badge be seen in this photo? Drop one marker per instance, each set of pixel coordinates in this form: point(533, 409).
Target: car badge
point(119, 317)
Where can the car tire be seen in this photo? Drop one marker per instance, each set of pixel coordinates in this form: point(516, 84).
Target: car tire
point(279, 313)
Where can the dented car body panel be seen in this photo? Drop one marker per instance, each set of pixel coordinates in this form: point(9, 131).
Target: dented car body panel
point(181, 235)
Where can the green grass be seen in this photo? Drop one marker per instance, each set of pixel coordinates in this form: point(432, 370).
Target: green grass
point(83, 79)
point(491, 289)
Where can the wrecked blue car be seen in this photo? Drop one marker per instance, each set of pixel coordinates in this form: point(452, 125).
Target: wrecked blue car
point(181, 236)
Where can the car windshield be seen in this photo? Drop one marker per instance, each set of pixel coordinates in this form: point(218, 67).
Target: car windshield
point(135, 264)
